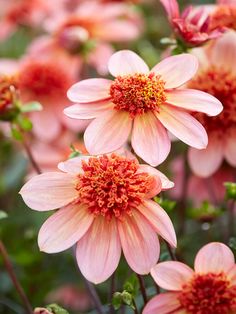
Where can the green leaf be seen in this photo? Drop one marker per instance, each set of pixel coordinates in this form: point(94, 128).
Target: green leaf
point(16, 134)
point(127, 298)
point(117, 300)
point(31, 106)
point(56, 309)
point(230, 190)
point(25, 123)
point(3, 214)
point(132, 285)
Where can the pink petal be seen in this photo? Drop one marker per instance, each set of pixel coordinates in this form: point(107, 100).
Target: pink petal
point(214, 257)
point(164, 303)
point(159, 220)
point(171, 275)
point(230, 149)
point(126, 62)
point(87, 111)
point(49, 191)
point(231, 275)
point(73, 165)
point(194, 100)
point(166, 183)
point(183, 126)
point(90, 90)
point(150, 140)
point(139, 243)
point(98, 252)
point(177, 70)
point(205, 162)
point(64, 228)
point(156, 187)
point(108, 132)
point(172, 8)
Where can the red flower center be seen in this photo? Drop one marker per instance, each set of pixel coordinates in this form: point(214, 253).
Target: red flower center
point(223, 16)
point(111, 186)
point(44, 80)
point(8, 91)
point(221, 84)
point(138, 93)
point(208, 294)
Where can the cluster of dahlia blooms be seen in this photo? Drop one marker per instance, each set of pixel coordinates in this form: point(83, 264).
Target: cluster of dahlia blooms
point(106, 132)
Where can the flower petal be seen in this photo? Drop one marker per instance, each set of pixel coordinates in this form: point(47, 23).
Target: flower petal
point(87, 111)
point(159, 220)
point(73, 165)
point(49, 191)
point(214, 257)
point(64, 228)
point(98, 252)
point(90, 90)
point(183, 126)
point(164, 303)
point(108, 132)
point(150, 139)
point(171, 275)
point(177, 70)
point(194, 100)
point(139, 243)
point(206, 161)
point(230, 149)
point(125, 62)
point(166, 183)
point(231, 275)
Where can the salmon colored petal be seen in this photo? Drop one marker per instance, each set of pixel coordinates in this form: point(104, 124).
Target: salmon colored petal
point(230, 150)
point(87, 111)
point(171, 275)
point(166, 183)
point(231, 275)
point(172, 8)
point(139, 243)
point(90, 90)
point(64, 228)
point(183, 126)
point(149, 139)
point(73, 165)
point(205, 162)
point(214, 257)
point(126, 62)
point(156, 187)
point(159, 220)
point(177, 70)
point(164, 303)
point(49, 191)
point(98, 252)
point(194, 100)
point(108, 132)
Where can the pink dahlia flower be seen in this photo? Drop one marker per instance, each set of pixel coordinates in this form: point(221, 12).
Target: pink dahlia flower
point(217, 76)
point(223, 14)
point(106, 206)
point(209, 289)
point(144, 103)
point(193, 25)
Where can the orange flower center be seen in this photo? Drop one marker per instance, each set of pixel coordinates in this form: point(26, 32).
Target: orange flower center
point(208, 294)
point(221, 84)
point(138, 93)
point(44, 79)
point(8, 91)
point(111, 186)
point(223, 16)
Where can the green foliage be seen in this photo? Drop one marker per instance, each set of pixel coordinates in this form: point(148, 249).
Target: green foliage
point(56, 309)
point(230, 190)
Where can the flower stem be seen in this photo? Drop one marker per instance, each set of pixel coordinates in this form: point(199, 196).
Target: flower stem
point(30, 156)
point(111, 292)
point(171, 253)
point(93, 294)
point(231, 205)
point(14, 279)
point(142, 288)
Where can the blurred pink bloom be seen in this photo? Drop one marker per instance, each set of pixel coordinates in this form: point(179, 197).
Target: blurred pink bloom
point(144, 103)
point(193, 25)
point(106, 205)
point(209, 289)
point(223, 14)
point(217, 76)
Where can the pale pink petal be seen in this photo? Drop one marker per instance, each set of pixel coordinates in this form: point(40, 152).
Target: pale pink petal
point(98, 252)
point(108, 132)
point(90, 90)
point(194, 100)
point(205, 162)
point(171, 275)
point(159, 220)
point(73, 165)
point(8, 66)
point(149, 139)
point(139, 243)
point(183, 126)
point(100, 57)
point(172, 8)
point(231, 275)
point(87, 111)
point(214, 257)
point(64, 228)
point(166, 183)
point(177, 70)
point(230, 149)
point(49, 191)
point(164, 303)
point(126, 62)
